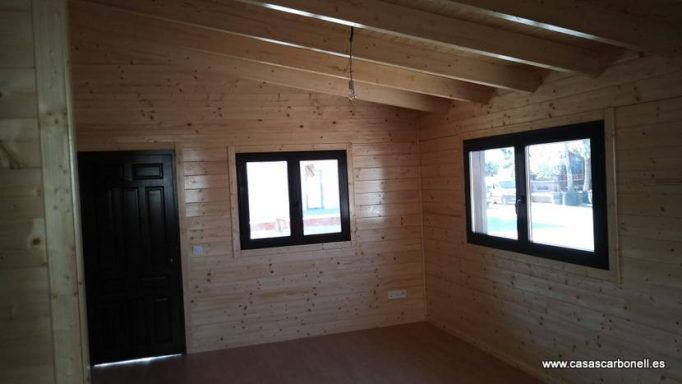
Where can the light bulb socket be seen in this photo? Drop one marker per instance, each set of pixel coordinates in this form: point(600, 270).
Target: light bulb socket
point(351, 89)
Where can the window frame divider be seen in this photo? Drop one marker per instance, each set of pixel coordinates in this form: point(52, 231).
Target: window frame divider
point(521, 199)
point(295, 203)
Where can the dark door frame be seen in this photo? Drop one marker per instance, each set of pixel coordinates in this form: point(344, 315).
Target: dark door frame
point(178, 195)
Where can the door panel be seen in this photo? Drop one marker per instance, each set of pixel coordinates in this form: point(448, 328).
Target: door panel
point(132, 255)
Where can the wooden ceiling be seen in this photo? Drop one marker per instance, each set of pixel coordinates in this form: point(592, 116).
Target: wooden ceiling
point(416, 54)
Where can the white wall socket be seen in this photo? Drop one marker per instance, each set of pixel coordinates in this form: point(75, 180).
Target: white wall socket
point(394, 294)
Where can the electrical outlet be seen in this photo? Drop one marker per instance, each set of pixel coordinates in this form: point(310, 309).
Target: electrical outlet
point(395, 294)
point(197, 250)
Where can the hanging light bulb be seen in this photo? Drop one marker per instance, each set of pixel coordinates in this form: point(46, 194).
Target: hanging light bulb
point(351, 90)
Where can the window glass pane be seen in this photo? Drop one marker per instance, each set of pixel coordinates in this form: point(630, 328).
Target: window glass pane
point(493, 192)
point(268, 199)
point(320, 197)
point(560, 187)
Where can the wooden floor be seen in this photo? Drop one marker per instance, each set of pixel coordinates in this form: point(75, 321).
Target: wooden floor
point(413, 353)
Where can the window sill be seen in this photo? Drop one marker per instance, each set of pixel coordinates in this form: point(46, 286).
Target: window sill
point(319, 247)
point(538, 266)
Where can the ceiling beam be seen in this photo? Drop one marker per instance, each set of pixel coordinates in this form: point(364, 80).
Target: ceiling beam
point(267, 73)
point(513, 77)
point(410, 23)
point(267, 24)
point(137, 26)
point(588, 20)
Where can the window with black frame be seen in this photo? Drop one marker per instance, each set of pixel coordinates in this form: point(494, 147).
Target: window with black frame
point(292, 198)
point(541, 193)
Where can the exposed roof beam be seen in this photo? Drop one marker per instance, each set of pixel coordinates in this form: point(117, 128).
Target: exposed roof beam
point(267, 73)
point(516, 78)
point(268, 24)
point(416, 24)
point(587, 20)
point(138, 26)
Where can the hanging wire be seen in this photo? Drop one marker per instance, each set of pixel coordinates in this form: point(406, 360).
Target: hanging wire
point(351, 83)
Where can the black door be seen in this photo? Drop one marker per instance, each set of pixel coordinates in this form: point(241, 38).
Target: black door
point(132, 255)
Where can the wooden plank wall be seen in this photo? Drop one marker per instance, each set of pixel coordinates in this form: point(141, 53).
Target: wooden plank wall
point(126, 98)
point(25, 332)
point(526, 309)
point(60, 191)
point(40, 329)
